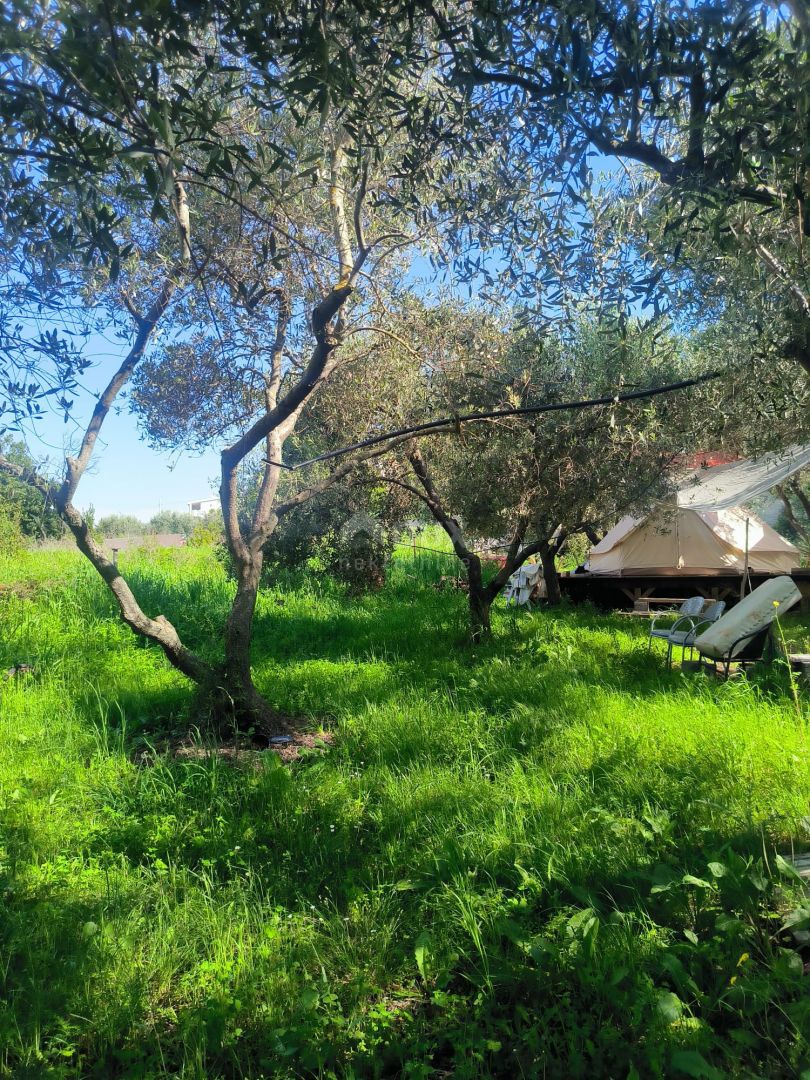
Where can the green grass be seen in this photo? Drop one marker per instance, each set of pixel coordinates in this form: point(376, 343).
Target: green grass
point(544, 857)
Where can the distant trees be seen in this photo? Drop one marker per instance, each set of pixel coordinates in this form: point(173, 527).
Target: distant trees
point(120, 525)
point(173, 521)
point(164, 521)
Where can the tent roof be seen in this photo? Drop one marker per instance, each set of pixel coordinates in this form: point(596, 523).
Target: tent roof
point(727, 525)
point(615, 536)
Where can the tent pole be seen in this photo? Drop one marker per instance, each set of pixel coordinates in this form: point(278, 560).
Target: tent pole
point(745, 564)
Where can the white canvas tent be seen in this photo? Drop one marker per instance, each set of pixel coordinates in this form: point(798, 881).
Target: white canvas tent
point(702, 528)
point(677, 538)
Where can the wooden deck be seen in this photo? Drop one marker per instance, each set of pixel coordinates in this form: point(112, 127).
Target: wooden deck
point(623, 592)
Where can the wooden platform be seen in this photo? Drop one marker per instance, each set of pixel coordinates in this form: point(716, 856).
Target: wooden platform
point(626, 592)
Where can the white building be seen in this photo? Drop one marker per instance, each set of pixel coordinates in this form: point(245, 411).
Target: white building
point(203, 506)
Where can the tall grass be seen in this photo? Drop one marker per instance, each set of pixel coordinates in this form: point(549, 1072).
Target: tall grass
point(425, 557)
point(547, 856)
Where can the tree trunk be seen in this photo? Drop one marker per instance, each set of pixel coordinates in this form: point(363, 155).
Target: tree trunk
point(803, 499)
point(551, 576)
point(233, 700)
point(592, 534)
point(480, 600)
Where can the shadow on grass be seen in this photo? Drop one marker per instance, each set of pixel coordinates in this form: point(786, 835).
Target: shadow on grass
point(261, 831)
point(447, 804)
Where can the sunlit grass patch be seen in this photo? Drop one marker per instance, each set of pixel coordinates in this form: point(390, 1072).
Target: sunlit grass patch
point(547, 855)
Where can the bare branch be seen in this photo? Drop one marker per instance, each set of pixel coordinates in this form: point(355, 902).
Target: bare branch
point(386, 333)
point(337, 205)
point(75, 467)
point(359, 198)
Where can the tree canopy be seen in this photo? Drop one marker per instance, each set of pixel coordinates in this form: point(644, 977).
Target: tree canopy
point(235, 193)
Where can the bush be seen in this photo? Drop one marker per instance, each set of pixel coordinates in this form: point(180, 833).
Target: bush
point(359, 552)
point(34, 516)
point(205, 534)
point(349, 531)
point(120, 525)
point(575, 552)
point(12, 541)
point(356, 554)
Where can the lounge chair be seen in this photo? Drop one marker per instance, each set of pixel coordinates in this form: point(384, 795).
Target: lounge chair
point(742, 634)
point(685, 614)
point(685, 637)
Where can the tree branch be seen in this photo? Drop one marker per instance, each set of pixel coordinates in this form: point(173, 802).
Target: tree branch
point(343, 470)
point(450, 525)
point(76, 466)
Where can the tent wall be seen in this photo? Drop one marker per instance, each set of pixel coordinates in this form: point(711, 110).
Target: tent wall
point(674, 539)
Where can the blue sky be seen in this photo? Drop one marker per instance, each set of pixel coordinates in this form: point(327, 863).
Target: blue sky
point(125, 476)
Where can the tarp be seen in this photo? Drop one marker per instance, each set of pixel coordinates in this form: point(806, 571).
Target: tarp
point(675, 538)
point(725, 486)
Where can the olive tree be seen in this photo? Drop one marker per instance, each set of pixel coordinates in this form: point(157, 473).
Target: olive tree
point(710, 102)
point(173, 178)
point(531, 482)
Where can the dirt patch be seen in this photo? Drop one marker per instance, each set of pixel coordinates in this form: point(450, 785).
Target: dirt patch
point(245, 751)
point(301, 741)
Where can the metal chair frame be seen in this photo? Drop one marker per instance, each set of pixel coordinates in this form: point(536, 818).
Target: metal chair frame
point(716, 608)
point(681, 616)
point(763, 632)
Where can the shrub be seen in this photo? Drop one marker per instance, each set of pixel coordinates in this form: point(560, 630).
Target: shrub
point(12, 541)
point(205, 534)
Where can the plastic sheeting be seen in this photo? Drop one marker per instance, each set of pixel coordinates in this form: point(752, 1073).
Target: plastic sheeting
point(726, 486)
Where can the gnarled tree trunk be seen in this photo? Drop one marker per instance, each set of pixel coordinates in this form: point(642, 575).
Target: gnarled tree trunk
point(481, 597)
point(552, 579)
point(480, 600)
point(233, 695)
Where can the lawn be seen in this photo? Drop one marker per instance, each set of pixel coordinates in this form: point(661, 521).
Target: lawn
point(544, 857)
